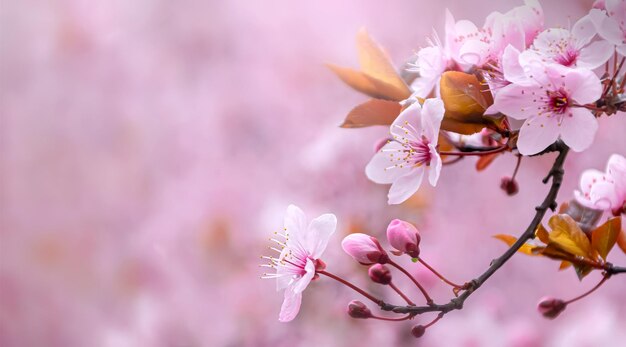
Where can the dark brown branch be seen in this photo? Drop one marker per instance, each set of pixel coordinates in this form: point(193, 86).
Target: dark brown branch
point(556, 174)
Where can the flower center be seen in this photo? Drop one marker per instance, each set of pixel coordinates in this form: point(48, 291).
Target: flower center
point(418, 152)
point(568, 57)
point(558, 101)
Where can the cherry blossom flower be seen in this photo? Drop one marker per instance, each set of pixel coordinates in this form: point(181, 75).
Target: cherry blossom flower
point(404, 237)
point(412, 153)
point(611, 24)
point(546, 99)
point(605, 190)
point(298, 262)
point(570, 48)
point(431, 63)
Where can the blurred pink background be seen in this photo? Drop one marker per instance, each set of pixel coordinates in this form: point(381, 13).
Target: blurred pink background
point(149, 148)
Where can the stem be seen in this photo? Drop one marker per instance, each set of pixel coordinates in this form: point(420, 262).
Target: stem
point(519, 161)
point(408, 301)
point(409, 316)
point(438, 274)
point(439, 316)
point(606, 277)
point(429, 301)
point(476, 153)
point(357, 289)
point(549, 202)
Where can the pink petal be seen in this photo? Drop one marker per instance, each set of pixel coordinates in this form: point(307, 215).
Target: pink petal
point(578, 129)
point(609, 30)
point(432, 115)
point(300, 285)
point(584, 30)
point(410, 115)
point(320, 230)
point(404, 187)
point(381, 168)
point(604, 195)
point(595, 55)
point(513, 71)
point(584, 86)
point(474, 52)
point(291, 305)
point(516, 101)
point(536, 134)
point(435, 166)
point(295, 223)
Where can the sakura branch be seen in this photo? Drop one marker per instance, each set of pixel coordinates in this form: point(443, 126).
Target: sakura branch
point(472, 91)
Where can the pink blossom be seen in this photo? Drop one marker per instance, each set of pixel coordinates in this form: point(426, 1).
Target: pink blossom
point(412, 153)
point(611, 24)
point(546, 99)
point(605, 190)
point(404, 237)
point(571, 48)
point(431, 63)
point(299, 261)
point(364, 248)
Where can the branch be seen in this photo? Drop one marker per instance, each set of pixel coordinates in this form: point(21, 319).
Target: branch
point(556, 174)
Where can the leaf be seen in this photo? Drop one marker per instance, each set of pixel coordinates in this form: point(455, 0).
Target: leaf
point(568, 236)
point(603, 238)
point(377, 77)
point(553, 251)
point(375, 63)
point(564, 265)
point(367, 84)
point(582, 271)
point(510, 240)
point(465, 101)
point(542, 234)
point(484, 161)
point(372, 112)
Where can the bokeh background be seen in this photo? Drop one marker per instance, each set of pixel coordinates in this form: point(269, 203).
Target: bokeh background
point(149, 148)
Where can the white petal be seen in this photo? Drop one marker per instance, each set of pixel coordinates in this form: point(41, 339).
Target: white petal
point(584, 30)
point(516, 101)
point(405, 186)
point(578, 129)
point(584, 85)
point(381, 168)
point(320, 230)
point(595, 54)
point(412, 116)
point(432, 115)
point(295, 223)
point(291, 305)
point(300, 285)
point(435, 166)
point(536, 134)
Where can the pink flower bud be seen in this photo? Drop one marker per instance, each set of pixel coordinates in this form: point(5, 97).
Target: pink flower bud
point(509, 185)
point(404, 237)
point(418, 331)
point(379, 274)
point(551, 307)
point(357, 309)
point(364, 248)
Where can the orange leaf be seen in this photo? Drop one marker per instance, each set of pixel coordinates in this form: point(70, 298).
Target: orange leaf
point(568, 236)
point(375, 63)
point(603, 238)
point(484, 161)
point(367, 84)
point(564, 265)
point(542, 234)
point(510, 240)
point(372, 112)
point(465, 101)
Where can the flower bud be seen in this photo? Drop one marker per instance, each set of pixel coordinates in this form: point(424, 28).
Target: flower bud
point(379, 274)
point(418, 331)
point(404, 237)
point(357, 309)
point(364, 248)
point(551, 307)
point(509, 185)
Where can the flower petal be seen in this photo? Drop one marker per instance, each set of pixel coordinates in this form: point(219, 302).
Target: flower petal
point(536, 134)
point(595, 55)
point(295, 223)
point(578, 129)
point(513, 71)
point(381, 169)
point(584, 86)
point(432, 115)
point(516, 101)
point(291, 305)
point(435, 166)
point(320, 230)
point(584, 30)
point(411, 116)
point(300, 285)
point(405, 186)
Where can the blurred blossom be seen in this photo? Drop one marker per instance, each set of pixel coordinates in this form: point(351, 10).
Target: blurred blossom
point(147, 149)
